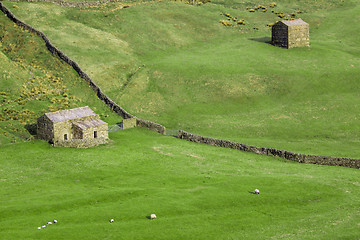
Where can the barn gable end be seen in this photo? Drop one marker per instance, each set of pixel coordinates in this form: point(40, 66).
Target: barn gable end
point(45, 128)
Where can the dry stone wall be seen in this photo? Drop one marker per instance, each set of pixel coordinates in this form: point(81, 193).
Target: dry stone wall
point(129, 123)
point(151, 125)
point(300, 158)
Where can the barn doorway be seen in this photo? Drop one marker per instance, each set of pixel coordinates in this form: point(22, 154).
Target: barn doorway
point(65, 136)
point(95, 134)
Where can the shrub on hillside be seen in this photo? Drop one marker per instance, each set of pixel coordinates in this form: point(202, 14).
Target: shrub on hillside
point(226, 23)
point(273, 4)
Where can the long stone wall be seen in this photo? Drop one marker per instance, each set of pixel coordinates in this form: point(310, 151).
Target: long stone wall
point(100, 94)
point(300, 158)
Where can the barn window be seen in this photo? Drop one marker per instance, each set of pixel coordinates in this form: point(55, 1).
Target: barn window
point(65, 137)
point(95, 134)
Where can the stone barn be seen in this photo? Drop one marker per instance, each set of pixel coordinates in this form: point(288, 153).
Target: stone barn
point(290, 34)
point(77, 127)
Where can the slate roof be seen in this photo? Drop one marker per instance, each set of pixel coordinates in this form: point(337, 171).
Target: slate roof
point(89, 123)
point(295, 22)
point(70, 114)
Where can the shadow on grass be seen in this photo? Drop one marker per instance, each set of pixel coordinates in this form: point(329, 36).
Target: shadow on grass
point(31, 128)
point(262, 39)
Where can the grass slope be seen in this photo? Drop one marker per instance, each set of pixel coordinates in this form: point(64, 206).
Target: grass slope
point(33, 82)
point(223, 82)
point(197, 192)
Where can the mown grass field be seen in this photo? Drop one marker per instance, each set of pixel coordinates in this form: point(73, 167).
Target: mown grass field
point(196, 191)
point(196, 75)
point(225, 82)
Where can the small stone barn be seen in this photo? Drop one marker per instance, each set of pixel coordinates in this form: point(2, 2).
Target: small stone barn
point(77, 127)
point(290, 34)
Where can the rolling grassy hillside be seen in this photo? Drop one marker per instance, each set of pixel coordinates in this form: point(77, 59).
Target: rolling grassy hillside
point(224, 82)
point(196, 191)
point(33, 82)
point(197, 75)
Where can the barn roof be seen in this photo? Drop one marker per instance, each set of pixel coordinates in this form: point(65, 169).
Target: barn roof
point(295, 22)
point(89, 123)
point(70, 114)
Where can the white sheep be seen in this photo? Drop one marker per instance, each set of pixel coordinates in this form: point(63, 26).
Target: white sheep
point(49, 223)
point(55, 221)
point(257, 191)
point(39, 227)
point(111, 220)
point(152, 216)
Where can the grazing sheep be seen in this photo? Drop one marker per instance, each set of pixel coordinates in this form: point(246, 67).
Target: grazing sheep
point(43, 226)
point(39, 227)
point(55, 221)
point(257, 191)
point(49, 223)
point(111, 220)
point(152, 216)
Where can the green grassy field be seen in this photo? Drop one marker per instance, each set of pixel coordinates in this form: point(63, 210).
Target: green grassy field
point(223, 82)
point(196, 191)
point(196, 75)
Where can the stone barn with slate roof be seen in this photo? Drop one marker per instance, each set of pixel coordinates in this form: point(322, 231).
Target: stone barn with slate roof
point(290, 34)
point(78, 127)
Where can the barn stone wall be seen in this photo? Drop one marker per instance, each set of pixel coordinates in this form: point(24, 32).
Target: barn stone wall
point(299, 36)
point(77, 132)
point(279, 36)
point(45, 128)
point(102, 132)
point(80, 143)
point(62, 128)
